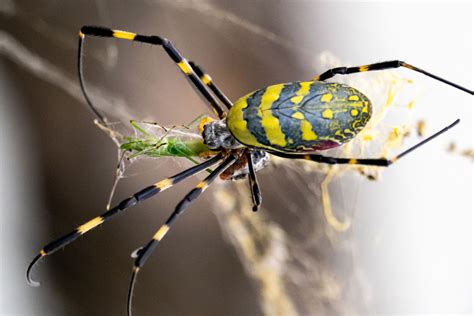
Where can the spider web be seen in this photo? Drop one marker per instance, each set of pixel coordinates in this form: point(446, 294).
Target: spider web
point(290, 248)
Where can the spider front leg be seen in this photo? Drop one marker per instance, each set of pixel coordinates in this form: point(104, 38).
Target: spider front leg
point(206, 78)
point(145, 252)
point(380, 162)
point(382, 66)
point(136, 198)
point(169, 48)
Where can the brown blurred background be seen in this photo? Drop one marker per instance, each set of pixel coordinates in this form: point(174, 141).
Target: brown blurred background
point(58, 168)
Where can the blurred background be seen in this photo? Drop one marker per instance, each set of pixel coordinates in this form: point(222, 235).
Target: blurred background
point(408, 249)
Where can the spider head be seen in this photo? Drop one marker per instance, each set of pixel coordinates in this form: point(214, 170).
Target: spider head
point(216, 136)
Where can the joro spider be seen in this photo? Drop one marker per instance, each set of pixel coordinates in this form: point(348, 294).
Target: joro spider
point(289, 120)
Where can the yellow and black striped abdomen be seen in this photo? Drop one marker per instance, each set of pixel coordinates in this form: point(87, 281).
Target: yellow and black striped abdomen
point(299, 116)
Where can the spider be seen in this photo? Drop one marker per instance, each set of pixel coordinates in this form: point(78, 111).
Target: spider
point(290, 120)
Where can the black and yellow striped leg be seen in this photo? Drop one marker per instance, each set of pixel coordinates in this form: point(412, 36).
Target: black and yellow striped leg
point(206, 78)
point(82, 84)
point(138, 197)
point(382, 66)
point(147, 250)
point(172, 52)
point(253, 183)
point(381, 162)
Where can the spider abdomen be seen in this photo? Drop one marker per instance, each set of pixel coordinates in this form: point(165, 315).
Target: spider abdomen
point(299, 116)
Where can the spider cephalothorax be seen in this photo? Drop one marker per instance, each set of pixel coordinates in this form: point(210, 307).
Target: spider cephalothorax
point(217, 136)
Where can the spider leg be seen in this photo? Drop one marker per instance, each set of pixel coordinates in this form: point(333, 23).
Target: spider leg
point(206, 78)
point(253, 183)
point(382, 66)
point(381, 162)
point(147, 250)
point(169, 48)
point(138, 197)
